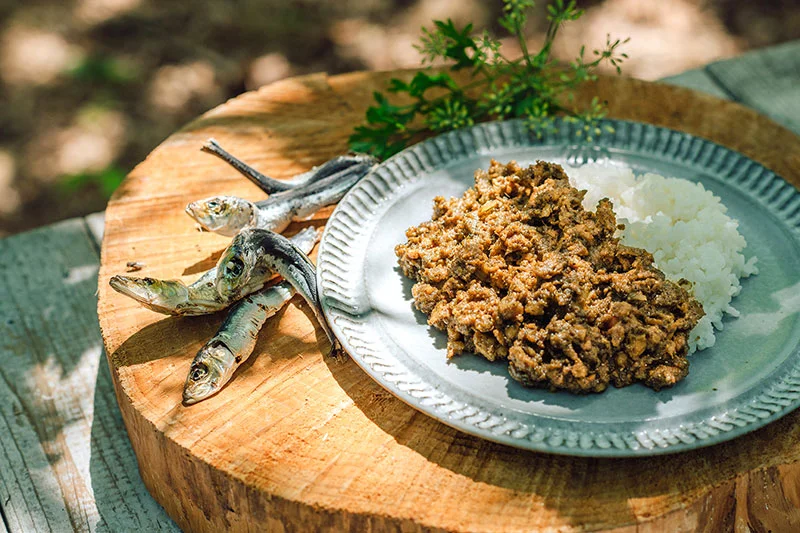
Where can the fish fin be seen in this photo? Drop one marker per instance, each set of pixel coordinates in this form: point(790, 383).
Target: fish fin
point(265, 183)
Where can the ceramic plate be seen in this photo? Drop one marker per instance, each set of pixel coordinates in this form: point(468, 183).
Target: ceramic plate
point(748, 379)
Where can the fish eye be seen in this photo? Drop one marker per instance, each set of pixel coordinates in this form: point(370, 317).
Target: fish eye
point(198, 372)
point(214, 206)
point(234, 267)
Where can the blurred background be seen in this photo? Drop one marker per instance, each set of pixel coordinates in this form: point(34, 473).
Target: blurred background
point(89, 87)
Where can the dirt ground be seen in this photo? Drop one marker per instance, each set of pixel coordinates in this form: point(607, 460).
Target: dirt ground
point(89, 87)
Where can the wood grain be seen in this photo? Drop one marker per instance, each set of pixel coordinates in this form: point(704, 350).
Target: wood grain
point(65, 461)
point(302, 442)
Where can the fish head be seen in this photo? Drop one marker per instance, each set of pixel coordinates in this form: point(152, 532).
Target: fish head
point(225, 215)
point(235, 268)
point(211, 369)
point(162, 296)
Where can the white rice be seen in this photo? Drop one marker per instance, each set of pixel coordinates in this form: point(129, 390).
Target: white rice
point(686, 229)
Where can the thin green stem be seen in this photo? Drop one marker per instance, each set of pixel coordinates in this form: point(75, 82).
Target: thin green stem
point(523, 45)
point(552, 31)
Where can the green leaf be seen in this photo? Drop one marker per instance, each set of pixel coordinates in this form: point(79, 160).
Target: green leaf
point(398, 86)
point(423, 81)
point(390, 115)
point(458, 42)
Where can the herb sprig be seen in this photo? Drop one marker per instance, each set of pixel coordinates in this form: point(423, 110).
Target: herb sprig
point(534, 87)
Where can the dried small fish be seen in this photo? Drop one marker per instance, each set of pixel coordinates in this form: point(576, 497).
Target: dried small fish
point(215, 363)
point(271, 185)
point(223, 214)
point(174, 297)
point(253, 250)
point(227, 215)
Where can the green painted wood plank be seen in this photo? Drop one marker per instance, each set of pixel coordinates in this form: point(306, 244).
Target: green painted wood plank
point(65, 458)
point(699, 80)
point(767, 80)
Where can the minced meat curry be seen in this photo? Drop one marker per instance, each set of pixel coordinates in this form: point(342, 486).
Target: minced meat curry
point(516, 269)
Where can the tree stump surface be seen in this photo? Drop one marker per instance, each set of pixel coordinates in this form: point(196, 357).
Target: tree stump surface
point(298, 441)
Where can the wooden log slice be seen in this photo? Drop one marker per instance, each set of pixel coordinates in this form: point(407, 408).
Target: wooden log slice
point(302, 442)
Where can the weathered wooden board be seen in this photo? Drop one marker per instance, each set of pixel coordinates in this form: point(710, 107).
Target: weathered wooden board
point(698, 80)
point(302, 442)
point(766, 80)
point(65, 460)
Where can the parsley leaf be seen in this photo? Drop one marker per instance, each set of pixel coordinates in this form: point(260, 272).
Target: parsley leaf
point(533, 87)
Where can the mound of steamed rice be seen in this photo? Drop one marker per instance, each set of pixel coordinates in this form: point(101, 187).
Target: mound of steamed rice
point(686, 229)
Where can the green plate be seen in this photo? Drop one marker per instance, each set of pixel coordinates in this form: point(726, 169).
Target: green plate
point(748, 379)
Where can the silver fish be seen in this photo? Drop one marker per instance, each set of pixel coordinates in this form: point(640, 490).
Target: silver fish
point(253, 250)
point(222, 214)
point(271, 185)
point(174, 297)
point(215, 363)
point(227, 215)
